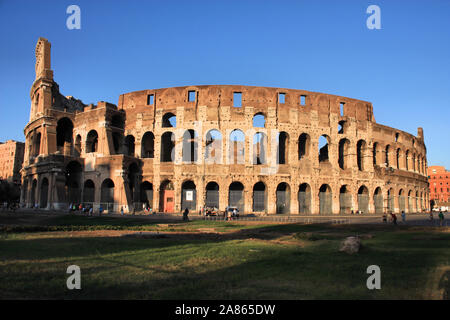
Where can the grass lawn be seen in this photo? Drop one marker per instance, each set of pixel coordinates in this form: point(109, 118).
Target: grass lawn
point(233, 260)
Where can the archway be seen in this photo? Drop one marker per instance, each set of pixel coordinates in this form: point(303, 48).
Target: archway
point(324, 141)
point(213, 147)
point(410, 202)
point(188, 196)
point(129, 145)
point(344, 152)
point(166, 197)
point(236, 149)
point(148, 145)
point(363, 199)
point(283, 148)
point(283, 198)
point(44, 193)
point(190, 146)
point(212, 195)
point(345, 200)
point(360, 154)
point(33, 192)
point(146, 196)
point(73, 182)
point(304, 198)
point(236, 196)
point(304, 142)
point(107, 195)
point(378, 200)
point(64, 132)
point(169, 120)
point(259, 197)
point(401, 200)
point(92, 141)
point(325, 199)
point(259, 148)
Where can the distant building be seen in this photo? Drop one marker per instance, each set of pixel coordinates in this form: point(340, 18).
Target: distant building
point(439, 179)
point(11, 159)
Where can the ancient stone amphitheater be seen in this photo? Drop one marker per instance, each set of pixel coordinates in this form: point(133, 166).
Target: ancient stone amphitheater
point(263, 150)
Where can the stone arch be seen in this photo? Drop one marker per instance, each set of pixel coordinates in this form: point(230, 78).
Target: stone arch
point(77, 146)
point(259, 148)
point(92, 141)
point(345, 200)
point(188, 195)
point(43, 193)
point(344, 153)
point(167, 147)
point(107, 195)
point(387, 155)
point(212, 195)
point(401, 200)
point(324, 142)
point(363, 199)
point(64, 132)
point(169, 120)
point(325, 199)
point(259, 120)
point(190, 146)
point(259, 197)
point(410, 201)
point(33, 192)
point(129, 144)
point(283, 204)
point(148, 145)
point(398, 157)
point(374, 153)
point(304, 198)
point(213, 148)
point(166, 197)
point(390, 200)
point(282, 147)
point(236, 195)
point(361, 154)
point(146, 194)
point(378, 200)
point(236, 150)
point(134, 181)
point(304, 145)
point(73, 173)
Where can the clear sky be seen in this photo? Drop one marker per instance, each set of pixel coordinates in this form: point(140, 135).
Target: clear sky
point(323, 46)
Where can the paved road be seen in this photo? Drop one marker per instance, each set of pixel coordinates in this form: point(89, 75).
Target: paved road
point(418, 219)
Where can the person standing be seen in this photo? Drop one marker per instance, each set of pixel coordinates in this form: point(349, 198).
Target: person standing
point(403, 216)
point(394, 218)
point(384, 218)
point(441, 218)
point(121, 210)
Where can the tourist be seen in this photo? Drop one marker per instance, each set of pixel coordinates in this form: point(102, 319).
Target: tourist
point(384, 218)
point(185, 214)
point(100, 210)
point(121, 211)
point(394, 218)
point(91, 211)
point(441, 218)
point(403, 216)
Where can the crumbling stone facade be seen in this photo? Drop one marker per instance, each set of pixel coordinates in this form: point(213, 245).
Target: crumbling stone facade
point(255, 148)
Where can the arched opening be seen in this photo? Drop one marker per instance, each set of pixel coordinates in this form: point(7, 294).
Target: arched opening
point(259, 197)
point(360, 154)
point(212, 195)
point(64, 132)
point(259, 148)
point(166, 197)
point(363, 199)
point(167, 147)
point(146, 197)
point(190, 146)
point(341, 127)
point(77, 148)
point(33, 192)
point(213, 148)
point(169, 120)
point(345, 200)
point(92, 141)
point(401, 200)
point(133, 182)
point(259, 120)
point(236, 196)
point(323, 148)
point(283, 198)
point(344, 148)
point(410, 201)
point(25, 190)
point(417, 201)
point(236, 150)
point(303, 146)
point(304, 198)
point(188, 196)
point(374, 153)
point(148, 145)
point(117, 142)
point(325, 199)
point(390, 200)
point(107, 195)
point(129, 145)
point(398, 156)
point(73, 182)
point(283, 148)
point(378, 200)
point(407, 160)
point(44, 193)
point(387, 156)
point(37, 145)
point(89, 192)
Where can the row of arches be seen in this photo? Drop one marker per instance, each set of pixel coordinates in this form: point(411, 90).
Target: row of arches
point(399, 158)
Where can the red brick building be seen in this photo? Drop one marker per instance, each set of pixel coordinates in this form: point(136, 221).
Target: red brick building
point(439, 179)
point(11, 159)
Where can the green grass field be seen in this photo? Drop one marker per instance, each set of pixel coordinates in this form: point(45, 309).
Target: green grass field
point(232, 260)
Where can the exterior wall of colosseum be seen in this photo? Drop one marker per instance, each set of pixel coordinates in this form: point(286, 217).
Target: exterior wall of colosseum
point(151, 148)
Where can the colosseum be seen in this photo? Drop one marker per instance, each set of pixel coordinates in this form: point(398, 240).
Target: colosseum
point(263, 150)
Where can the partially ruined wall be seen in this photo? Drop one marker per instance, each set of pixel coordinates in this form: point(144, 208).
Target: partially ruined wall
point(364, 158)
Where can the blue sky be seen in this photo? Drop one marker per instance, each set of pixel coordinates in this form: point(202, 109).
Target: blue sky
point(324, 46)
